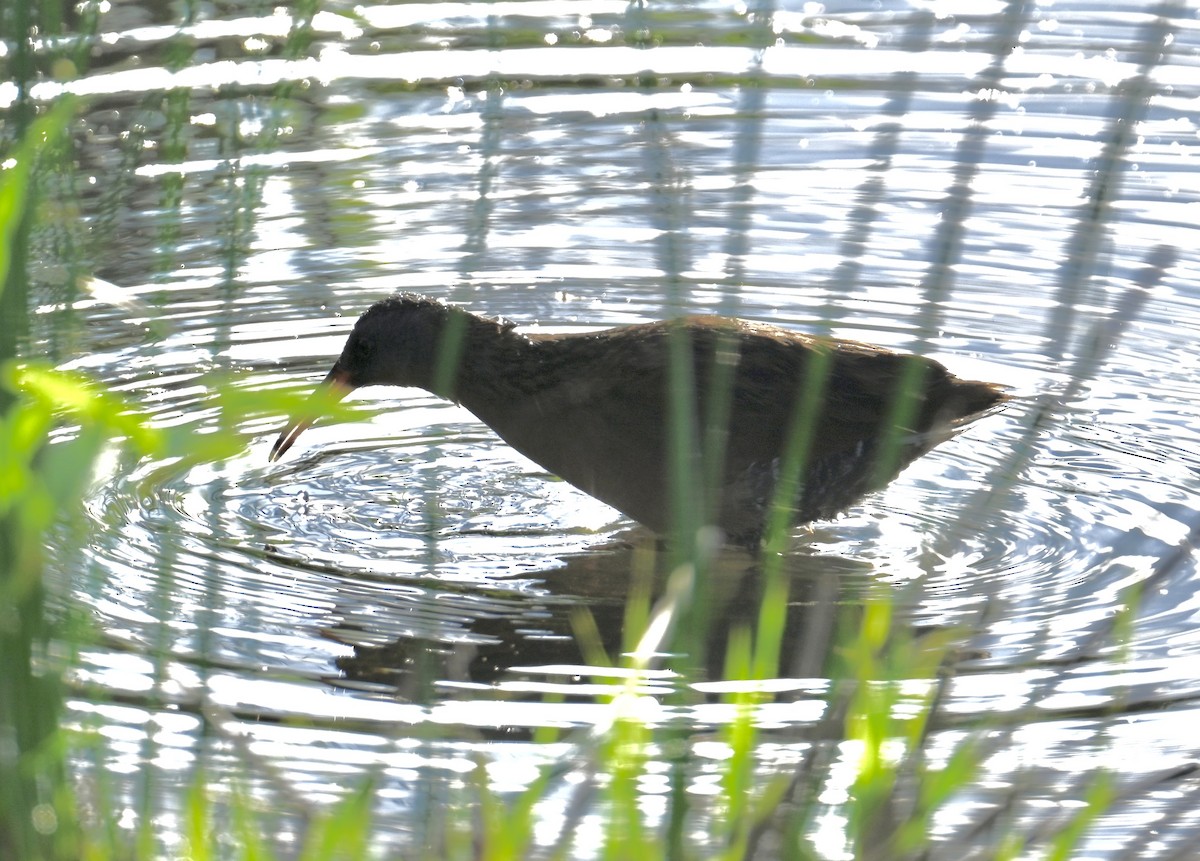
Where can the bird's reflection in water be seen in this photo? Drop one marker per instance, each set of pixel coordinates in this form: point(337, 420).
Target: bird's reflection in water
point(513, 640)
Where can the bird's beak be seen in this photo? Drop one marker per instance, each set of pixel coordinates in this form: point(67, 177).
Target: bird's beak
point(332, 389)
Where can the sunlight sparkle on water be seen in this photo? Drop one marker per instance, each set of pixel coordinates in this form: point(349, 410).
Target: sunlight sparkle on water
point(579, 178)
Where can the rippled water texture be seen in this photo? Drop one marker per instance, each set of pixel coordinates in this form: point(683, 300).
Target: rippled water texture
point(889, 176)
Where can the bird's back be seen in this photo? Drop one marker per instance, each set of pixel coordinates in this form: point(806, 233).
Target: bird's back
point(597, 409)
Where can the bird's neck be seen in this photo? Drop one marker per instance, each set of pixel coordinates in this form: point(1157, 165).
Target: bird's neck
point(474, 358)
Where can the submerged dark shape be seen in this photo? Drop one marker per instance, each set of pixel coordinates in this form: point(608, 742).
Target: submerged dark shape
point(594, 408)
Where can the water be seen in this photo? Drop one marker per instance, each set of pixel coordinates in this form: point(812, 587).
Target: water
point(395, 597)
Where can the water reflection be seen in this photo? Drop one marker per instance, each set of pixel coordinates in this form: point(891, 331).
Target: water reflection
point(537, 639)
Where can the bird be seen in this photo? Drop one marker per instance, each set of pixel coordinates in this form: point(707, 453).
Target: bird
point(603, 410)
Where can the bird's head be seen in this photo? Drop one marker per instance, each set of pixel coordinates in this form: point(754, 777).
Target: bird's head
point(398, 341)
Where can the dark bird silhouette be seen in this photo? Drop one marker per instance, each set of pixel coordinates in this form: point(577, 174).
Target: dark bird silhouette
point(597, 408)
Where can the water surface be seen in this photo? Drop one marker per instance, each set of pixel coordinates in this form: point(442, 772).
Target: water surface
point(394, 598)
